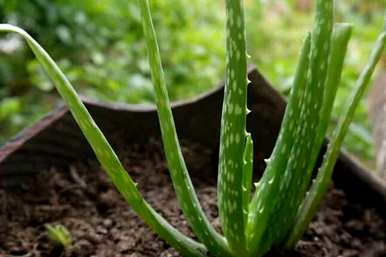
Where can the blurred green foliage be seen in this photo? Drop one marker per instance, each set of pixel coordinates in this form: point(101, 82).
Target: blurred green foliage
point(100, 46)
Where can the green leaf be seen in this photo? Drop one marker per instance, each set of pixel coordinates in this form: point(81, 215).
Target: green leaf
point(233, 133)
point(182, 184)
point(59, 234)
point(340, 40)
point(323, 179)
point(293, 178)
point(269, 185)
point(106, 155)
point(247, 176)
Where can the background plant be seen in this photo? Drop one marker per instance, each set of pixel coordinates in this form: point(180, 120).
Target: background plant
point(111, 66)
point(280, 209)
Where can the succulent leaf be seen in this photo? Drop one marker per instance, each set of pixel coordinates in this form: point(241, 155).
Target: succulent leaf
point(340, 40)
point(183, 186)
point(323, 179)
point(247, 176)
point(233, 133)
point(269, 186)
point(295, 174)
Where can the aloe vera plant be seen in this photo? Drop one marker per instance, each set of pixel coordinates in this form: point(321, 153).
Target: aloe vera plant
point(276, 214)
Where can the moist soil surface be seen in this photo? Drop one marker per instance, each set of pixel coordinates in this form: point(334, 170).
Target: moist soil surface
point(101, 224)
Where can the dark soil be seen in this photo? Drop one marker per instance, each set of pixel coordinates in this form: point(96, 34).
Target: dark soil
point(83, 200)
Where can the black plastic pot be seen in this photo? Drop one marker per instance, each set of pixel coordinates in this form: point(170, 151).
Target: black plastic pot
point(56, 140)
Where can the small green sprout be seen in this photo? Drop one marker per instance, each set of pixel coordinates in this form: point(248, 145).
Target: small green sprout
point(286, 198)
point(59, 234)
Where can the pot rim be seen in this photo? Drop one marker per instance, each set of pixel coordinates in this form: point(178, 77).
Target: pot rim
point(40, 146)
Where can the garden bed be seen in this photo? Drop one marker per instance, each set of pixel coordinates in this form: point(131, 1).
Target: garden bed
point(49, 175)
point(82, 199)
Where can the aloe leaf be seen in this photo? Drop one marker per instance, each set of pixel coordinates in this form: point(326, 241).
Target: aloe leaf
point(233, 133)
point(106, 155)
point(315, 97)
point(182, 183)
point(285, 207)
point(323, 179)
point(247, 176)
point(305, 149)
point(340, 39)
point(268, 185)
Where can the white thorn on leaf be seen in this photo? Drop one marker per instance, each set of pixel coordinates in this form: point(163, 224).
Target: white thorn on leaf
point(267, 160)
